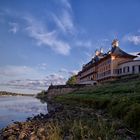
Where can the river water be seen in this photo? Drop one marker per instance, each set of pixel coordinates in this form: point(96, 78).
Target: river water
point(19, 108)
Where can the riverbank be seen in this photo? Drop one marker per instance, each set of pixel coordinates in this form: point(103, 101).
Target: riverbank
point(6, 93)
point(107, 112)
point(66, 122)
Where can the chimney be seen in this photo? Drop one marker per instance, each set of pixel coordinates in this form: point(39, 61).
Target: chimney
point(115, 43)
point(97, 52)
point(101, 50)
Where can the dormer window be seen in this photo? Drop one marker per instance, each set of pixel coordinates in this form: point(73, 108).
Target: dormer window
point(115, 43)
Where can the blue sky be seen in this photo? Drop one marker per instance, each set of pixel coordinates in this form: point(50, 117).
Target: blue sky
point(43, 42)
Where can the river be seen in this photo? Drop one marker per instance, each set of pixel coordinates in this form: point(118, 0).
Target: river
point(19, 108)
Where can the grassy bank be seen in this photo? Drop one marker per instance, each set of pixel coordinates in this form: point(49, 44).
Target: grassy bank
point(120, 100)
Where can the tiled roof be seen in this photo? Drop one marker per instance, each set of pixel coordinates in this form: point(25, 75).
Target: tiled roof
point(118, 52)
point(98, 57)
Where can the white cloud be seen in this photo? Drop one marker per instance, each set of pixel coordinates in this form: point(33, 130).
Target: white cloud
point(14, 27)
point(63, 70)
point(65, 22)
point(28, 78)
point(64, 19)
point(42, 66)
point(55, 79)
point(43, 37)
point(66, 3)
point(59, 23)
point(74, 72)
point(15, 70)
point(36, 84)
point(135, 39)
point(68, 72)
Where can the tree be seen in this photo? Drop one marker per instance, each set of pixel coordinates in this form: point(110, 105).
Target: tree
point(42, 94)
point(71, 80)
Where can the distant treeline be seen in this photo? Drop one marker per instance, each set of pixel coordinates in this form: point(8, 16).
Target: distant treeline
point(14, 94)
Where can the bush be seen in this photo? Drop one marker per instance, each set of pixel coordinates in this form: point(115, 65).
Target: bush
point(71, 80)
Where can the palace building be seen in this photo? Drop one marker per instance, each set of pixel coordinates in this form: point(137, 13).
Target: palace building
point(108, 66)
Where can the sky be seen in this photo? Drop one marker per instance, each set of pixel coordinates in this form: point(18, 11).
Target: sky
point(47, 41)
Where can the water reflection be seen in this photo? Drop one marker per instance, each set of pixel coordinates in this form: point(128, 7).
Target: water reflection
point(19, 108)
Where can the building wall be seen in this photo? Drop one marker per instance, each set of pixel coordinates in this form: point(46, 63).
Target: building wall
point(95, 73)
point(88, 74)
point(108, 69)
point(104, 69)
point(78, 78)
point(115, 63)
point(132, 67)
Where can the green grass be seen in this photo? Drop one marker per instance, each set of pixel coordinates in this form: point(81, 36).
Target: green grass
point(120, 99)
point(74, 123)
point(82, 130)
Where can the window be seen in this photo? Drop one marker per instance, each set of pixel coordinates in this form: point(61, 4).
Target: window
point(127, 69)
point(109, 61)
point(124, 70)
point(115, 71)
point(133, 69)
point(120, 71)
